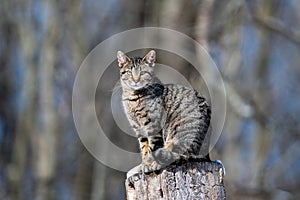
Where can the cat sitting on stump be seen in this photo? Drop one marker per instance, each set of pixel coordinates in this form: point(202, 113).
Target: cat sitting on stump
point(170, 121)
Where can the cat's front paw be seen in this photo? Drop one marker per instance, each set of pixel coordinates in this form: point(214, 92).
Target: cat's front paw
point(136, 170)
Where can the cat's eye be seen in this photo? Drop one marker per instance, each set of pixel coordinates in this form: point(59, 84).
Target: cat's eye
point(124, 72)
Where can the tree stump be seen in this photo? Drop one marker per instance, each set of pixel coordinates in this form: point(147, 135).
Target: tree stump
point(189, 180)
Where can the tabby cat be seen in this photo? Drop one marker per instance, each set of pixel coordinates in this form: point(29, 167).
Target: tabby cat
point(171, 121)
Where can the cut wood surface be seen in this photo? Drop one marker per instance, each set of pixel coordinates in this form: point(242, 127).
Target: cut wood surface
point(190, 180)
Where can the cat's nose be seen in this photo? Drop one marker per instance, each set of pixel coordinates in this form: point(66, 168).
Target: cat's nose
point(136, 78)
point(135, 74)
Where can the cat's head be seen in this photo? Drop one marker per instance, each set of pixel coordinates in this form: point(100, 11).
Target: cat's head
point(136, 72)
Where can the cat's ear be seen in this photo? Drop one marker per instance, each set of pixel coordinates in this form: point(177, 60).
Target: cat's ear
point(150, 58)
point(123, 59)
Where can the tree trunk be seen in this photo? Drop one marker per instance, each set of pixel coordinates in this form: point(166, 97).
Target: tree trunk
point(192, 180)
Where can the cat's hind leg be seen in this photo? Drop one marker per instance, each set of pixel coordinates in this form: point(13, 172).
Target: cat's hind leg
point(166, 157)
point(152, 167)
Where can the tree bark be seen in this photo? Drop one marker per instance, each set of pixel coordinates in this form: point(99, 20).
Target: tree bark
point(190, 180)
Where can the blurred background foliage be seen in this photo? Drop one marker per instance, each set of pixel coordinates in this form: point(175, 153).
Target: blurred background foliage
point(256, 45)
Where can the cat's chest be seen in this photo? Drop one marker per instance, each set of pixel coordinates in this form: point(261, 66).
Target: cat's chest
point(133, 106)
point(142, 107)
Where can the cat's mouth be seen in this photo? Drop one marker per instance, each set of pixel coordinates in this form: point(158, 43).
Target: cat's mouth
point(136, 86)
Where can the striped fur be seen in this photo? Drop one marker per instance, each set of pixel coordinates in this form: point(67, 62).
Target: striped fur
point(171, 121)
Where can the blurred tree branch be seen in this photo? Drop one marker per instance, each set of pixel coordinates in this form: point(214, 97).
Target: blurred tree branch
point(278, 26)
point(274, 24)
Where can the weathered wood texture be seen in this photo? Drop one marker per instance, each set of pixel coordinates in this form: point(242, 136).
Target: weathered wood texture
point(192, 180)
